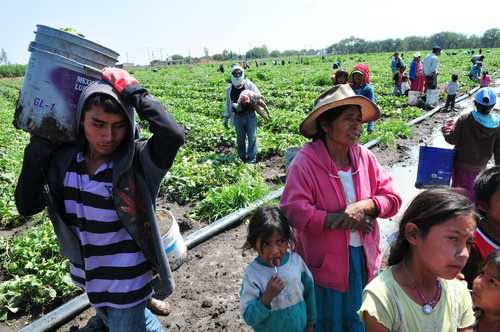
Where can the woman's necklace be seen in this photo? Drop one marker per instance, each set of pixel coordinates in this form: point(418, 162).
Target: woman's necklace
point(428, 305)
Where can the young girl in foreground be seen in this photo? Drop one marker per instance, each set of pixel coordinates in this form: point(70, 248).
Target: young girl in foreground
point(277, 292)
point(419, 292)
point(486, 294)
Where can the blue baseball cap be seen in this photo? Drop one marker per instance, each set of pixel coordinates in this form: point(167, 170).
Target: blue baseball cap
point(486, 97)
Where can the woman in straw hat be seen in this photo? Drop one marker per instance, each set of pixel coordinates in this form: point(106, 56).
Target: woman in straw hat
point(334, 192)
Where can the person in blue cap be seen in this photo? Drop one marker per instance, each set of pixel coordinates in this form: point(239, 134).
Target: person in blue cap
point(476, 137)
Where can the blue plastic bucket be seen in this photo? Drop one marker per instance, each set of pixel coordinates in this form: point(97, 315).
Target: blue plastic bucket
point(61, 65)
point(435, 166)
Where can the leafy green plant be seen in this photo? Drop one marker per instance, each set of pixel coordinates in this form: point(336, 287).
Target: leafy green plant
point(224, 200)
point(193, 174)
point(12, 142)
point(12, 70)
point(38, 274)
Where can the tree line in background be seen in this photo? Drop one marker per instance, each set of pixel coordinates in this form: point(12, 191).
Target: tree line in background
point(446, 40)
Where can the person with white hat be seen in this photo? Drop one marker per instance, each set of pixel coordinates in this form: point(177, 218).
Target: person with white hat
point(335, 190)
point(476, 136)
point(242, 114)
point(417, 77)
point(360, 84)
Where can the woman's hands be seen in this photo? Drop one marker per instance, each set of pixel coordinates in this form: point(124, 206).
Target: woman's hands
point(357, 216)
point(274, 287)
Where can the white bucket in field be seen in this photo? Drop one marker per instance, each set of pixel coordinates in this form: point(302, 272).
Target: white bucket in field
point(413, 97)
point(173, 243)
point(61, 65)
point(432, 97)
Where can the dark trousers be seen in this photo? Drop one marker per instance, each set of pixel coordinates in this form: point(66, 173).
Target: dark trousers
point(431, 82)
point(450, 101)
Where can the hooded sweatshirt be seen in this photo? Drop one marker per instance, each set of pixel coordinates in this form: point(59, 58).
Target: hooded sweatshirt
point(138, 168)
point(313, 189)
point(363, 68)
point(474, 143)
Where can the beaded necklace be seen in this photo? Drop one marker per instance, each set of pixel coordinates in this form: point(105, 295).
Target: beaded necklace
point(428, 305)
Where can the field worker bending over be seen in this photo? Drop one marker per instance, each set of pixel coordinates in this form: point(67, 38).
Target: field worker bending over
point(100, 193)
point(242, 114)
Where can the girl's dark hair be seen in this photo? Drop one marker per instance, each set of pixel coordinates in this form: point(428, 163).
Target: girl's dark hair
point(341, 72)
point(486, 184)
point(429, 208)
point(494, 257)
point(263, 223)
point(330, 116)
point(454, 77)
point(108, 103)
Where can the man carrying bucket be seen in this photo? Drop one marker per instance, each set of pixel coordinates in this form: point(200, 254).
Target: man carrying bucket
point(476, 136)
point(431, 72)
point(100, 193)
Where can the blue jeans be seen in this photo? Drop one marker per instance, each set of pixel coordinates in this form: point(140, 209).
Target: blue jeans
point(370, 126)
point(246, 129)
point(136, 319)
point(337, 311)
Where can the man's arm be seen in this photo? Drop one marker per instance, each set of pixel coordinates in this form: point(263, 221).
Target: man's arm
point(29, 189)
point(168, 135)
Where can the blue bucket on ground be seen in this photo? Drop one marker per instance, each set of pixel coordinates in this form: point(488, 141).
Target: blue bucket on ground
point(435, 166)
point(61, 65)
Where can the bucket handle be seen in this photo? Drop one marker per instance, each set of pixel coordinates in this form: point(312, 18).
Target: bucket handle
point(87, 68)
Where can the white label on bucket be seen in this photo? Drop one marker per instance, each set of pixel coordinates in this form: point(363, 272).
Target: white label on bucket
point(81, 83)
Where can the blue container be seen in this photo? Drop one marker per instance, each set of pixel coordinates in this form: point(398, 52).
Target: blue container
point(435, 166)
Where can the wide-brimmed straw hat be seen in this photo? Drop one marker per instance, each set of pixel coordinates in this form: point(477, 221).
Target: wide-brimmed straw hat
point(338, 95)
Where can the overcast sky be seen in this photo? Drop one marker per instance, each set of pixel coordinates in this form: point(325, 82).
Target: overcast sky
point(141, 29)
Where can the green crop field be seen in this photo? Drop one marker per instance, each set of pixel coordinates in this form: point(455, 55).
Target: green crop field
point(207, 173)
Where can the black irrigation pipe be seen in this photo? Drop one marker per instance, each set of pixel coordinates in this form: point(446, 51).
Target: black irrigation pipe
point(78, 304)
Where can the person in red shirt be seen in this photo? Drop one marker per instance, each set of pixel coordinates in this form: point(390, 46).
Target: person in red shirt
point(487, 234)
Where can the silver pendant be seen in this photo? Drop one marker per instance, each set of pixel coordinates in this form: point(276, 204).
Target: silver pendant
point(427, 309)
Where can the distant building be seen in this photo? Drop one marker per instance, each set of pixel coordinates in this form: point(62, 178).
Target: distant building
point(125, 65)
